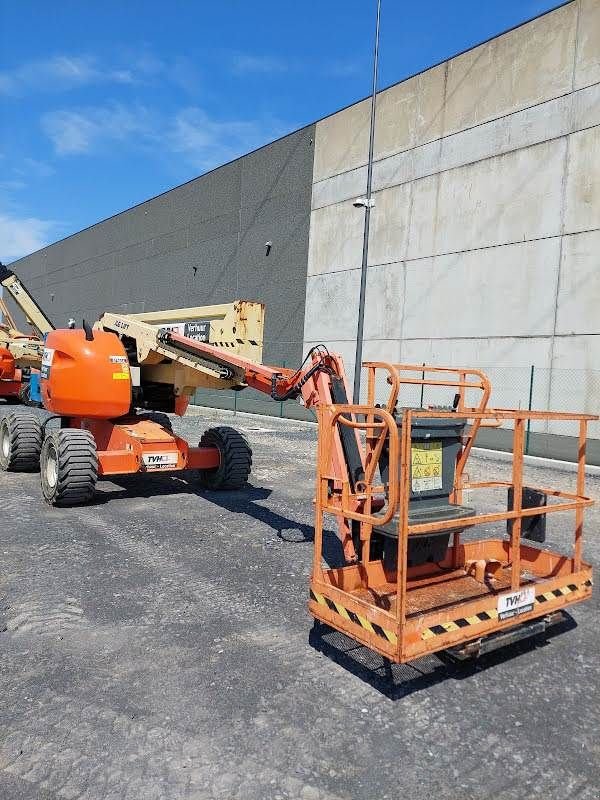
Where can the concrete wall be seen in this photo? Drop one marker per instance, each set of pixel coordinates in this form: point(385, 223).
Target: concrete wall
point(201, 243)
point(485, 235)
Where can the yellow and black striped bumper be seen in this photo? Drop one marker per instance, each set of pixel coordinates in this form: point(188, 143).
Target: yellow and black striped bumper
point(492, 613)
point(372, 627)
point(444, 627)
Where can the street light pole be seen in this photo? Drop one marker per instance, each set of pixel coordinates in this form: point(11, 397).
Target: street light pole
point(367, 202)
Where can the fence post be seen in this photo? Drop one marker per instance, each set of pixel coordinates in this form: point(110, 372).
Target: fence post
point(529, 408)
point(422, 386)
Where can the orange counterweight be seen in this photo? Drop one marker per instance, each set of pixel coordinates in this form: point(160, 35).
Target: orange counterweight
point(84, 377)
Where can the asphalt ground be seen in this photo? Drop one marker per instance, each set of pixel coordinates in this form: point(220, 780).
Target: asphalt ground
point(156, 645)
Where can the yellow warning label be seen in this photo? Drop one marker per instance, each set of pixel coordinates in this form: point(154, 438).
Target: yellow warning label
point(120, 376)
point(426, 466)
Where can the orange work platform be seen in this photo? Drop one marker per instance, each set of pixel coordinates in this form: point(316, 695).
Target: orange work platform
point(473, 588)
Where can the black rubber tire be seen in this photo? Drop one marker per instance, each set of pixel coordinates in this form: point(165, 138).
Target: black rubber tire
point(69, 467)
point(24, 395)
point(159, 417)
point(20, 442)
point(236, 459)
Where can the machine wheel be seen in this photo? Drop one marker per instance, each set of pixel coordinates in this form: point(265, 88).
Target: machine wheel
point(69, 467)
point(20, 442)
point(24, 395)
point(236, 459)
point(160, 418)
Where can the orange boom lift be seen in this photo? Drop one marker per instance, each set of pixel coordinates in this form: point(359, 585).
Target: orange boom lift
point(393, 476)
point(20, 354)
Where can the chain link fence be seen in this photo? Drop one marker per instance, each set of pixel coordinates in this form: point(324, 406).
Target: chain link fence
point(522, 387)
point(253, 402)
point(526, 388)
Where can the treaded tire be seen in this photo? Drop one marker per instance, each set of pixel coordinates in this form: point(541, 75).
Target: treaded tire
point(24, 395)
point(236, 459)
point(20, 442)
point(69, 467)
point(159, 417)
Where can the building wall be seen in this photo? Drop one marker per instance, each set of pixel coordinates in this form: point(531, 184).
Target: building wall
point(198, 244)
point(485, 236)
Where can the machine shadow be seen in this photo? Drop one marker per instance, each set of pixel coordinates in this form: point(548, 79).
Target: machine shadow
point(288, 530)
point(146, 486)
point(242, 501)
point(396, 681)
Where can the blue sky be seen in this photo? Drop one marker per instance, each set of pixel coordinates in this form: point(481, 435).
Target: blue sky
point(104, 104)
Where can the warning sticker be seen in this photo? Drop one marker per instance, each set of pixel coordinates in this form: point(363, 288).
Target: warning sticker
point(48, 356)
point(124, 364)
point(47, 359)
point(426, 466)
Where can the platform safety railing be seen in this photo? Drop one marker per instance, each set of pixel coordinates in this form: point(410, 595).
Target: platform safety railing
point(378, 424)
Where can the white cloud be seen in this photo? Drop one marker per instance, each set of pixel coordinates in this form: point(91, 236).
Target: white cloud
point(20, 174)
point(244, 63)
point(34, 167)
point(20, 236)
point(12, 185)
point(207, 142)
point(76, 132)
point(62, 72)
point(203, 140)
point(343, 68)
point(21, 233)
point(250, 63)
point(184, 74)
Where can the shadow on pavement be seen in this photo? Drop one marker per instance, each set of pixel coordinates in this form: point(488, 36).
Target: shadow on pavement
point(396, 681)
point(245, 501)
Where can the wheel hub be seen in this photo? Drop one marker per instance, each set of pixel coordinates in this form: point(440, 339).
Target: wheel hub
point(51, 468)
point(4, 442)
